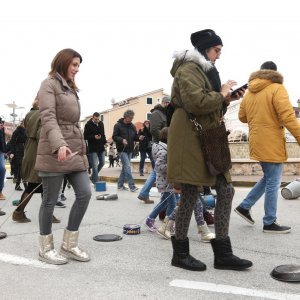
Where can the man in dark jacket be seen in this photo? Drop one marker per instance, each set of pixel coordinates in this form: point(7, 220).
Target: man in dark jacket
point(2, 164)
point(124, 136)
point(95, 136)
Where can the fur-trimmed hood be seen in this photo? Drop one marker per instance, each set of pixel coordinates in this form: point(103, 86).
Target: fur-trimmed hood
point(263, 78)
point(190, 55)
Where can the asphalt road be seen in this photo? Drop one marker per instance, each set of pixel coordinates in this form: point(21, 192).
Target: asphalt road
point(138, 267)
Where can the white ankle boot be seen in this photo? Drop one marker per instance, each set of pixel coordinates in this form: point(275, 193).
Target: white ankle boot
point(70, 248)
point(47, 252)
point(165, 229)
point(205, 233)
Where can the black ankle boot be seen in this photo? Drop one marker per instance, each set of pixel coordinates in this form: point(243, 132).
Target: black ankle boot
point(224, 258)
point(182, 258)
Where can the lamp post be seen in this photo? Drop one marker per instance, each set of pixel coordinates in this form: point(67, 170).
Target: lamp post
point(14, 106)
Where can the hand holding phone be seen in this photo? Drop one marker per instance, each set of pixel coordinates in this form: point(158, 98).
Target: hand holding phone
point(245, 86)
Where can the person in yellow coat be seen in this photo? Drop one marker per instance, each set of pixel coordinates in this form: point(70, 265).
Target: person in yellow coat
point(267, 110)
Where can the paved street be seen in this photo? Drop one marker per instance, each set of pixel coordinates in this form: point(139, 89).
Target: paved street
point(138, 267)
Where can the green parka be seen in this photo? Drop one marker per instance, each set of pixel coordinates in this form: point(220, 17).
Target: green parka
point(32, 125)
point(191, 85)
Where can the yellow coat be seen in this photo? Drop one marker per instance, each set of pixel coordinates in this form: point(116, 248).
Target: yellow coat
point(267, 110)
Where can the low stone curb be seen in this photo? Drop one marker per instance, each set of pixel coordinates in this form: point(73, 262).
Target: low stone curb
point(239, 183)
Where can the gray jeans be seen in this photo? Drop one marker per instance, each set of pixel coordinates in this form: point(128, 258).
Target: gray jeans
point(51, 188)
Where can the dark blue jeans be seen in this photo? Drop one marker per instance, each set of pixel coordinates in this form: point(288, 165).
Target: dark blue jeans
point(126, 171)
point(143, 157)
point(269, 186)
point(145, 191)
point(167, 202)
point(97, 160)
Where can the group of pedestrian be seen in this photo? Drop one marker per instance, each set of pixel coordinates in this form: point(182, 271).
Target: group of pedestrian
point(179, 167)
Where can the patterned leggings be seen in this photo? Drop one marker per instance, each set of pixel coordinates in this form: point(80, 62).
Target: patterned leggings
point(198, 211)
point(225, 193)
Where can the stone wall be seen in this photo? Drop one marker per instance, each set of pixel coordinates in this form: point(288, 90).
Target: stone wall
point(241, 150)
point(242, 164)
point(250, 167)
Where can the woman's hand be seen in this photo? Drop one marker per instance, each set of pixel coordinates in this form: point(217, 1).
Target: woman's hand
point(233, 97)
point(64, 152)
point(226, 92)
point(226, 88)
point(238, 95)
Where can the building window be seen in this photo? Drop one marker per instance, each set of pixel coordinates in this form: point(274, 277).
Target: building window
point(149, 100)
point(102, 118)
point(148, 116)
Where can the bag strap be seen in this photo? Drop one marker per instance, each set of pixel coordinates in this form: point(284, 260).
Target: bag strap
point(191, 117)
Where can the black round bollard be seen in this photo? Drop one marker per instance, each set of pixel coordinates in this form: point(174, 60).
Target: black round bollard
point(288, 273)
point(107, 238)
point(3, 235)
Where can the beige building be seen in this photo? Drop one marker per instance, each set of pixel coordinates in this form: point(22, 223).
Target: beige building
point(141, 105)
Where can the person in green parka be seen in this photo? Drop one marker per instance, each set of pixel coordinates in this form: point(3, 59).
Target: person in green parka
point(197, 86)
point(32, 124)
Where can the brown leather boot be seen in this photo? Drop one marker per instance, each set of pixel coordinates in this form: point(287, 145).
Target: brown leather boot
point(55, 220)
point(146, 200)
point(20, 217)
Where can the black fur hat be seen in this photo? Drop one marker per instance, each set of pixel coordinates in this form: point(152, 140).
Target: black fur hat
point(205, 39)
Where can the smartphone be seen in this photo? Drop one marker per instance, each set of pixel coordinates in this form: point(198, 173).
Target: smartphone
point(245, 86)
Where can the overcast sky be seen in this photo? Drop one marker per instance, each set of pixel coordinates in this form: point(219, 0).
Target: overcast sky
point(127, 46)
